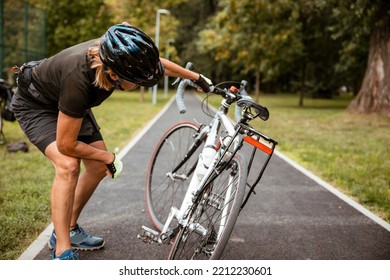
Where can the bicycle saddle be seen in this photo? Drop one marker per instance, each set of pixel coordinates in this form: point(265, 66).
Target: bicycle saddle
point(252, 110)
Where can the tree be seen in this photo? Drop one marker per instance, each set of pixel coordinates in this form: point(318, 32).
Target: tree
point(254, 36)
point(374, 94)
point(142, 14)
point(366, 24)
point(316, 63)
point(193, 16)
point(71, 22)
point(22, 33)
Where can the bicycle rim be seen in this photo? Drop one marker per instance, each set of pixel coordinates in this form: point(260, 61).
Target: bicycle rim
point(213, 216)
point(162, 189)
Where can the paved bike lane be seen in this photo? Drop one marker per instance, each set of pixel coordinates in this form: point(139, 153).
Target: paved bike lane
point(293, 216)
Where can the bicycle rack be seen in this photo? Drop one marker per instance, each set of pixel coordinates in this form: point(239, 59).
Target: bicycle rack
point(257, 145)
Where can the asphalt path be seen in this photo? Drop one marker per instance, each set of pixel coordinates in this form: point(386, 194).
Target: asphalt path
point(293, 216)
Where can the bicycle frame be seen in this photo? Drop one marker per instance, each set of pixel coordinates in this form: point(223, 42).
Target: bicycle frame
point(196, 185)
point(218, 160)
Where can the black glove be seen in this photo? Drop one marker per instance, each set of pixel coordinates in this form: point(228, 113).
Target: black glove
point(204, 83)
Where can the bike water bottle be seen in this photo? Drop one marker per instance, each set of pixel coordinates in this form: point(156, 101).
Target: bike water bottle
point(205, 160)
point(223, 146)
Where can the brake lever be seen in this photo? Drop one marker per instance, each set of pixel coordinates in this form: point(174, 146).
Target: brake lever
point(178, 80)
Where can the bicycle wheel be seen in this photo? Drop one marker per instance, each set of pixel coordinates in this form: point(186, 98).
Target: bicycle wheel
point(170, 169)
point(213, 215)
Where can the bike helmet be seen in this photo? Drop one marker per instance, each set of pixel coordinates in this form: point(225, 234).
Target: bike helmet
point(131, 54)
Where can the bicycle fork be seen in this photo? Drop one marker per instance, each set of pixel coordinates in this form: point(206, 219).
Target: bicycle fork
point(151, 236)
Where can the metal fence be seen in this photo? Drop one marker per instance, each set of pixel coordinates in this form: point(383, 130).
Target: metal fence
point(22, 35)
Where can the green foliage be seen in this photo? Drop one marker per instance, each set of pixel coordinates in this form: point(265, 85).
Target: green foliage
point(253, 36)
point(72, 22)
point(353, 24)
point(192, 16)
point(22, 34)
point(320, 51)
point(142, 13)
point(310, 46)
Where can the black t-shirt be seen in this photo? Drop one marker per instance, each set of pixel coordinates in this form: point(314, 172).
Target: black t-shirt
point(66, 80)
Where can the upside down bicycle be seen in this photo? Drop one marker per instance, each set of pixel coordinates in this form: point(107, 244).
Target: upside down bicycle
point(197, 180)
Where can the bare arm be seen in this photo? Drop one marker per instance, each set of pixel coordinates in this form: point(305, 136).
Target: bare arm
point(174, 70)
point(68, 129)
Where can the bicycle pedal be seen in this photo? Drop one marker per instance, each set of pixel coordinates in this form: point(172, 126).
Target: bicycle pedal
point(148, 235)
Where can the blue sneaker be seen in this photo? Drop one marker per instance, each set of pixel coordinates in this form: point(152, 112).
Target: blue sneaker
point(79, 240)
point(68, 255)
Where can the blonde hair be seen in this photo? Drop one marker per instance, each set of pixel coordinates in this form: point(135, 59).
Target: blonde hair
point(102, 79)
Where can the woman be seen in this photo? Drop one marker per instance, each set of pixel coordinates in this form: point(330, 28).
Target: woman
point(53, 109)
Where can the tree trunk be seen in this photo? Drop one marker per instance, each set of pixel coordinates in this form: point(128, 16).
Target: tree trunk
point(374, 94)
point(303, 82)
point(142, 95)
point(257, 86)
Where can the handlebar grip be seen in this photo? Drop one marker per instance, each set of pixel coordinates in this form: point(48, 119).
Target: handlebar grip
point(180, 93)
point(179, 96)
point(190, 65)
point(181, 88)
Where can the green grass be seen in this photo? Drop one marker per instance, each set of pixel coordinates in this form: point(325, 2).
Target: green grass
point(349, 151)
point(26, 178)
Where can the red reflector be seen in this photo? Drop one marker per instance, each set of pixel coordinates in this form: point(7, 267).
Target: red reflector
point(258, 145)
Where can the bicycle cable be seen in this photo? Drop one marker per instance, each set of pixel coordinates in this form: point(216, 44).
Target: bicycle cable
point(205, 102)
point(205, 105)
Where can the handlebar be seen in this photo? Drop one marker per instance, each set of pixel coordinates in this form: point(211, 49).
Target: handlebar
point(183, 83)
point(180, 93)
point(233, 94)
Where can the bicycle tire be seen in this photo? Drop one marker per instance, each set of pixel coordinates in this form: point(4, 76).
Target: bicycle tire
point(163, 192)
point(209, 212)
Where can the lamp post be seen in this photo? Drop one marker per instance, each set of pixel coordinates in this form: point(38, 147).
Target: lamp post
point(169, 42)
point(159, 11)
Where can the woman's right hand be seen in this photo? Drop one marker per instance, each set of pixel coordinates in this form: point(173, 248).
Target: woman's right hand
point(115, 167)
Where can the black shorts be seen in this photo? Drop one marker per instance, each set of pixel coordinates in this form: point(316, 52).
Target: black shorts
point(39, 121)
